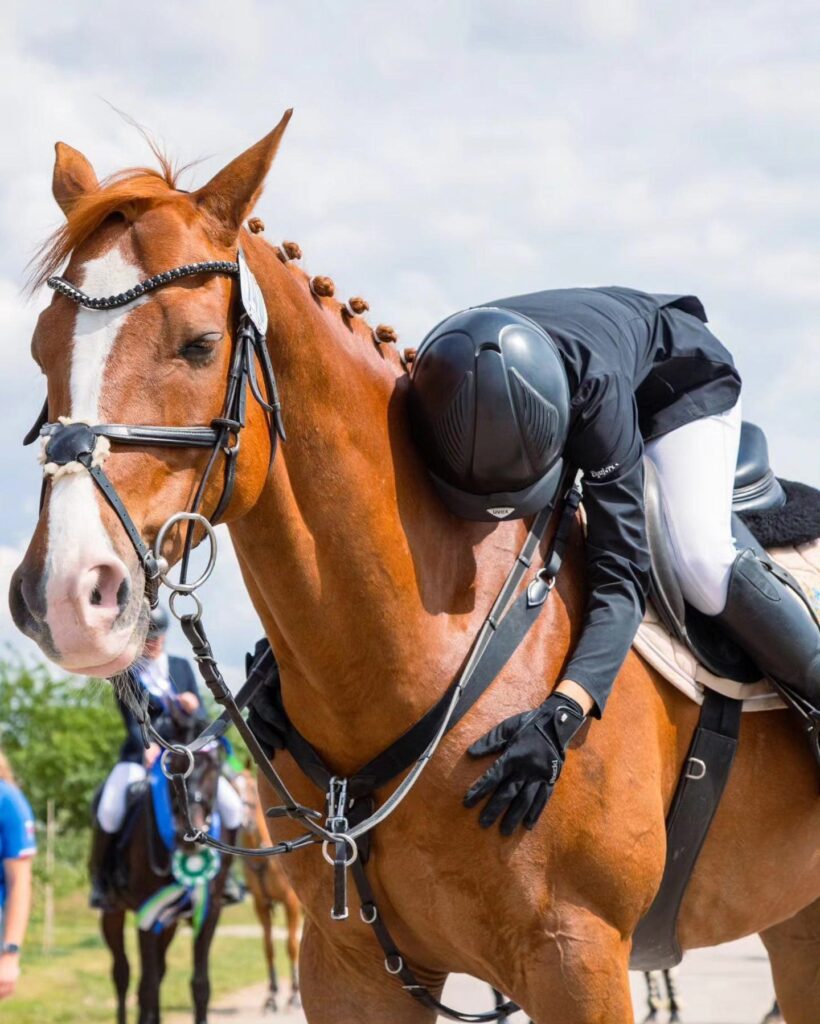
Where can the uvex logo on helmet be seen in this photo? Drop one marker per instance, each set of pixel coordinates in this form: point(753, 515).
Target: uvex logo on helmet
point(489, 406)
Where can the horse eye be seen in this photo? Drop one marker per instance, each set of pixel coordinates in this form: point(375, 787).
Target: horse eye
point(201, 349)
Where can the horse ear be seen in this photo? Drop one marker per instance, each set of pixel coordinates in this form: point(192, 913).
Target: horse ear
point(231, 194)
point(73, 176)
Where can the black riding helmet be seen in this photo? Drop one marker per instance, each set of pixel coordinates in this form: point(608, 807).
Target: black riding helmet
point(489, 405)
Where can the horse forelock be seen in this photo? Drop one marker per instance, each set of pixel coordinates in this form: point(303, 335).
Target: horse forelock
point(127, 192)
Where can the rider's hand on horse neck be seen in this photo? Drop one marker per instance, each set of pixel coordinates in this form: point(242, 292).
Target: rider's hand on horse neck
point(522, 779)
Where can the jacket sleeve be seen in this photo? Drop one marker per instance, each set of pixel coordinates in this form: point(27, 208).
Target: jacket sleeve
point(606, 444)
point(185, 681)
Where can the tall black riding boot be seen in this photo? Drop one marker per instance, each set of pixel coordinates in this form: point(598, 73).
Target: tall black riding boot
point(773, 623)
point(102, 846)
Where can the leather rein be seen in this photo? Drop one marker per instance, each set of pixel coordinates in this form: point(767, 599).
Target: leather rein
point(342, 834)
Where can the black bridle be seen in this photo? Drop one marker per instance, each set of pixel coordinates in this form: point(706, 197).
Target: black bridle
point(67, 442)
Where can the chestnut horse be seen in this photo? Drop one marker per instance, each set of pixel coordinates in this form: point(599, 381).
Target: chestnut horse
point(371, 593)
point(268, 885)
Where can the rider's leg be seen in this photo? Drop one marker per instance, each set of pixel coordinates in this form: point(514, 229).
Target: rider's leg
point(696, 465)
point(110, 815)
point(229, 805)
point(768, 619)
point(111, 809)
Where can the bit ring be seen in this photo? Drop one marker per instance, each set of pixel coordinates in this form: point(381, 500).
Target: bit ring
point(181, 517)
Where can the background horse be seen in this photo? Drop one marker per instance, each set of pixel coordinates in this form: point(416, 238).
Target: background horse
point(371, 593)
point(268, 885)
point(148, 883)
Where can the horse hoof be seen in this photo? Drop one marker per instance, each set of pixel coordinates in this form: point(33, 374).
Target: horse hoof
point(295, 1001)
point(270, 1004)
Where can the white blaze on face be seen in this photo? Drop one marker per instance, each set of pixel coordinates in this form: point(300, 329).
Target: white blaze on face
point(77, 540)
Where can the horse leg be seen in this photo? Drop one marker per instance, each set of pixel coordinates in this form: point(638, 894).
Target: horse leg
point(348, 985)
point(148, 992)
point(162, 953)
point(794, 951)
point(263, 912)
point(675, 1007)
point(293, 912)
point(112, 925)
point(200, 981)
point(653, 995)
point(577, 972)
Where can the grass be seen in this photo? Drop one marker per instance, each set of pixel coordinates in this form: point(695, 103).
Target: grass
point(70, 984)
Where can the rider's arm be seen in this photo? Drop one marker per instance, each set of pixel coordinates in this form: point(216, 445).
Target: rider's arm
point(185, 683)
point(606, 444)
point(18, 848)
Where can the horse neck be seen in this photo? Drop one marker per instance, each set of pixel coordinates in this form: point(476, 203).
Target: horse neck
point(352, 564)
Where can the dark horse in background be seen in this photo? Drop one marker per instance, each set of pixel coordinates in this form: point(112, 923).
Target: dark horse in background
point(152, 855)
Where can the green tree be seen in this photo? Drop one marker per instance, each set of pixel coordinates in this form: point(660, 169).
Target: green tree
point(61, 736)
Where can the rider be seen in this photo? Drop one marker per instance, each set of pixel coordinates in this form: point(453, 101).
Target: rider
point(507, 396)
point(174, 705)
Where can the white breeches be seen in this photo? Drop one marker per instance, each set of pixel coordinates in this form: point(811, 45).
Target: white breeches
point(111, 809)
point(696, 465)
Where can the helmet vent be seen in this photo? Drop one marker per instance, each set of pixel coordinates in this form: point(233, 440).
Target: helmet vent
point(452, 428)
point(538, 419)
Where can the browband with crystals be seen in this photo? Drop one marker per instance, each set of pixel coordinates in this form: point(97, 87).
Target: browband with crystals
point(59, 284)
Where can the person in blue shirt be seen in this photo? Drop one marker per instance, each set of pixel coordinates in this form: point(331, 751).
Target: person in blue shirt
point(17, 848)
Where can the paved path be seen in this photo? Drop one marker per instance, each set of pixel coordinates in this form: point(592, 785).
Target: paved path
point(727, 985)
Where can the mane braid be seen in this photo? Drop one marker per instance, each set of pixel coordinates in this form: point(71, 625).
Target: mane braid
point(381, 335)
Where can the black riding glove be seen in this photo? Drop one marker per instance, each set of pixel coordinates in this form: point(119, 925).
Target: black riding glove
point(522, 779)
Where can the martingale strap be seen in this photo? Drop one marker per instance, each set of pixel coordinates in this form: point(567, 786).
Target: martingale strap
point(232, 714)
point(507, 635)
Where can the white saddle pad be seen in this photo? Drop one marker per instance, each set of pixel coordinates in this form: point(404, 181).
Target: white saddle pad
point(678, 665)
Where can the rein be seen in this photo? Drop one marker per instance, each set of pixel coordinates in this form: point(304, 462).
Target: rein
point(351, 813)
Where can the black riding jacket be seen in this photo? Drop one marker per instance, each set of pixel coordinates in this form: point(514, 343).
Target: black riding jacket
point(638, 366)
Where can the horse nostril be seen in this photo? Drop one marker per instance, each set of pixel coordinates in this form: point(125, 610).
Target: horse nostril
point(110, 587)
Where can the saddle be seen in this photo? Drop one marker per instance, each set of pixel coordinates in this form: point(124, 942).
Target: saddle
point(686, 646)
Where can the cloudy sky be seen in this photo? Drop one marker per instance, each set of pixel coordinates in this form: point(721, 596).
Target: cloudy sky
point(445, 153)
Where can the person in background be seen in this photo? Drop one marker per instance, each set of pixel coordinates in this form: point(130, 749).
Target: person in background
point(17, 849)
point(169, 686)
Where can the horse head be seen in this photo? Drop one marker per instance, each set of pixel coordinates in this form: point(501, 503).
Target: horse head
point(160, 358)
point(201, 788)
